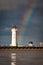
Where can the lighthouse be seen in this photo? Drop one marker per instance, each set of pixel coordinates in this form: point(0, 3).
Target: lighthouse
point(14, 39)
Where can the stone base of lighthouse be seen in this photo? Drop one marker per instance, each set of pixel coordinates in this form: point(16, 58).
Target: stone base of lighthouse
point(12, 45)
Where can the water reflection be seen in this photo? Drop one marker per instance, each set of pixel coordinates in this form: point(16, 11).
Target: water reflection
point(29, 57)
point(13, 58)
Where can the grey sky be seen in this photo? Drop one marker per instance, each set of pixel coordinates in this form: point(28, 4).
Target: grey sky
point(12, 12)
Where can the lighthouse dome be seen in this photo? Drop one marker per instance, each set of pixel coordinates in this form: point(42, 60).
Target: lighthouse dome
point(14, 26)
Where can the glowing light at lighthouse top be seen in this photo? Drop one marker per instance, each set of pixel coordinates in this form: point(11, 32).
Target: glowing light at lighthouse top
point(14, 26)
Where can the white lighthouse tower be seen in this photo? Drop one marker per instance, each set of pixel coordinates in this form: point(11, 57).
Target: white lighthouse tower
point(14, 39)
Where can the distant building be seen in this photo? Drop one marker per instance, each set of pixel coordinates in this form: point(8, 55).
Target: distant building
point(30, 44)
point(41, 44)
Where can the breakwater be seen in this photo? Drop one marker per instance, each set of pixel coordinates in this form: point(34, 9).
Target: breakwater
point(20, 48)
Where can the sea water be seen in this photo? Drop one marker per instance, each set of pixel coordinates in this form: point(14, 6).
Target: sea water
point(28, 57)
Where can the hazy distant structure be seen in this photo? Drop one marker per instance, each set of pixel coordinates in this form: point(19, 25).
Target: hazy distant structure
point(41, 44)
point(30, 44)
point(14, 39)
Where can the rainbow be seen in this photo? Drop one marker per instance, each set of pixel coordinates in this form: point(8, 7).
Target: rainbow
point(26, 20)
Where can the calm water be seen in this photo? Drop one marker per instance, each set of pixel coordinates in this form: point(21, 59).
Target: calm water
point(21, 57)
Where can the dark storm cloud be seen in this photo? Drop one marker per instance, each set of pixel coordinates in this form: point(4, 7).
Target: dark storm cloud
point(11, 4)
point(12, 12)
point(35, 29)
point(5, 40)
point(8, 4)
